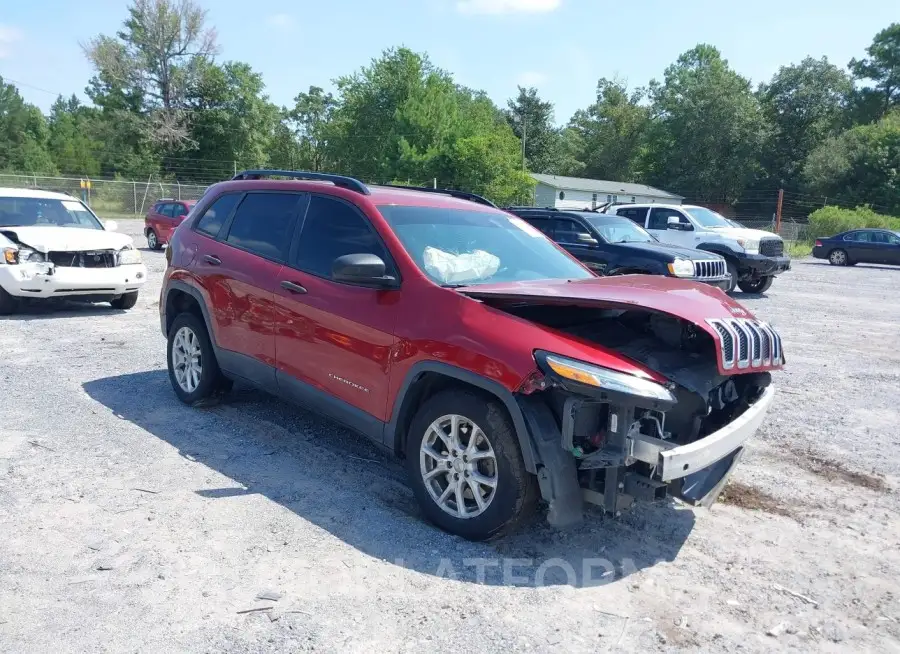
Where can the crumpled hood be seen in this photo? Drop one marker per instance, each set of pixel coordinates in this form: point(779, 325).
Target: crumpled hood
point(46, 238)
point(689, 301)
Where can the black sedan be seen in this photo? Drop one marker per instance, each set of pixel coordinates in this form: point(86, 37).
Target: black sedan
point(612, 245)
point(859, 246)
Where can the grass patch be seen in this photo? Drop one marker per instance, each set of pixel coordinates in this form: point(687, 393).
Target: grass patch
point(799, 249)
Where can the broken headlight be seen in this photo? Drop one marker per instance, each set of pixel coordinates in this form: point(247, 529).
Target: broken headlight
point(23, 255)
point(129, 256)
point(610, 380)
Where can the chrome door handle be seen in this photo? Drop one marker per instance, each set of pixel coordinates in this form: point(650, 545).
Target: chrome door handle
point(293, 288)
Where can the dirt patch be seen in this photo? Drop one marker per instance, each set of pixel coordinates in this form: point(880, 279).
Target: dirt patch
point(836, 471)
point(747, 497)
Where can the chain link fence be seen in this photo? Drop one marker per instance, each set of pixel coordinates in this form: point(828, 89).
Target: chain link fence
point(109, 198)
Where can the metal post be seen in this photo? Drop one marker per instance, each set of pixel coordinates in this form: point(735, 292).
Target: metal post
point(435, 182)
point(778, 211)
point(179, 189)
point(134, 206)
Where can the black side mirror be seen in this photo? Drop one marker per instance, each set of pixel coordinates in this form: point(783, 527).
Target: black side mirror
point(362, 270)
point(587, 239)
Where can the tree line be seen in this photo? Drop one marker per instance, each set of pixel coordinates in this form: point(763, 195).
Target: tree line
point(162, 105)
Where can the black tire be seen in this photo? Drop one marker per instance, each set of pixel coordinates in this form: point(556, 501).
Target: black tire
point(515, 495)
point(211, 380)
point(760, 285)
point(8, 303)
point(153, 240)
point(838, 258)
point(125, 301)
point(733, 271)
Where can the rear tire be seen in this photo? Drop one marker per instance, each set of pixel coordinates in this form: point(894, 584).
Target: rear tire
point(153, 240)
point(193, 369)
point(760, 285)
point(839, 258)
point(733, 271)
point(492, 466)
point(8, 303)
point(125, 301)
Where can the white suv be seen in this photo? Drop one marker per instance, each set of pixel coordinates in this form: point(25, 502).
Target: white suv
point(754, 257)
point(53, 246)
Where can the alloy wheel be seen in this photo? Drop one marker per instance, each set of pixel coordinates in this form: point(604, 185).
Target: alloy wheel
point(151, 240)
point(838, 257)
point(458, 466)
point(186, 359)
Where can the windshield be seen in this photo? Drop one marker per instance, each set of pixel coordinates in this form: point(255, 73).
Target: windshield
point(30, 212)
point(620, 230)
point(707, 217)
point(455, 247)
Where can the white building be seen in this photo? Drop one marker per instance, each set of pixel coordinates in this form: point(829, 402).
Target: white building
point(580, 193)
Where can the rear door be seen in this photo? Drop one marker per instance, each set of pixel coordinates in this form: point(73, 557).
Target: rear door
point(635, 214)
point(861, 247)
point(334, 340)
point(240, 269)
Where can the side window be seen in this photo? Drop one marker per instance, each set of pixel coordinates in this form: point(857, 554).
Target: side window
point(215, 216)
point(166, 209)
point(542, 223)
point(333, 229)
point(180, 210)
point(569, 231)
point(893, 239)
point(659, 218)
point(881, 237)
point(635, 215)
point(264, 224)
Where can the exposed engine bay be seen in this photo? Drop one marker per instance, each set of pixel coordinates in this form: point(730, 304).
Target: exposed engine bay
point(618, 440)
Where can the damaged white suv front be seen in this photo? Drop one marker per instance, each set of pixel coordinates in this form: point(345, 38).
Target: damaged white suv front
point(53, 246)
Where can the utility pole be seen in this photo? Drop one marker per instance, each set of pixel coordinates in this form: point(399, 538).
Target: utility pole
point(778, 211)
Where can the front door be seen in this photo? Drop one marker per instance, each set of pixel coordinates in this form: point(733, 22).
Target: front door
point(887, 247)
point(658, 225)
point(581, 244)
point(334, 340)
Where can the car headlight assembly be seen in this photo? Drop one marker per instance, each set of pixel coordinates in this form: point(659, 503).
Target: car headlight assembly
point(604, 378)
point(129, 256)
point(681, 268)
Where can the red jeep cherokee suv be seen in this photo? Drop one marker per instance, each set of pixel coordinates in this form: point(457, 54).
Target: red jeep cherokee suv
point(460, 338)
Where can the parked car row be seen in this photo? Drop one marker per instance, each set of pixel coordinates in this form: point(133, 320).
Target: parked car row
point(859, 246)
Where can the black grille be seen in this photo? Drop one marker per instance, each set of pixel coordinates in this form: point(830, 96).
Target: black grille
point(771, 247)
point(101, 259)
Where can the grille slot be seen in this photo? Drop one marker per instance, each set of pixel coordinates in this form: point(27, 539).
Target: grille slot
point(86, 259)
point(709, 269)
point(771, 247)
point(748, 343)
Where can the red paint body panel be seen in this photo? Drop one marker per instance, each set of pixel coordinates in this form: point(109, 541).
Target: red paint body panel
point(337, 333)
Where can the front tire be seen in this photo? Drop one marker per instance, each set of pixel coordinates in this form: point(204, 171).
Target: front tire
point(838, 258)
point(125, 301)
point(733, 271)
point(760, 285)
point(466, 468)
point(8, 303)
point(153, 240)
point(193, 369)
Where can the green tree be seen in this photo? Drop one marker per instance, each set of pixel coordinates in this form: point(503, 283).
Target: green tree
point(312, 113)
point(232, 121)
point(72, 140)
point(157, 57)
point(707, 128)
point(610, 134)
point(860, 166)
point(24, 134)
point(531, 120)
point(805, 104)
point(882, 68)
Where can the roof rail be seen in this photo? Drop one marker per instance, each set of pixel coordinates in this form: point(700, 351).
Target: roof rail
point(524, 208)
point(349, 183)
point(462, 195)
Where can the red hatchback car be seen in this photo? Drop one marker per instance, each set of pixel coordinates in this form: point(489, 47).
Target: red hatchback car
point(462, 339)
point(162, 219)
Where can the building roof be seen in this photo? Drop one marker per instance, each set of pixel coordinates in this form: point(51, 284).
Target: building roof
point(33, 193)
point(603, 186)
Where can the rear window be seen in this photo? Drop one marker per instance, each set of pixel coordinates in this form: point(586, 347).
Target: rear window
point(264, 224)
point(215, 216)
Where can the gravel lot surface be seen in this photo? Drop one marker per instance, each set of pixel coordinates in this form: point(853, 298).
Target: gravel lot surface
point(129, 522)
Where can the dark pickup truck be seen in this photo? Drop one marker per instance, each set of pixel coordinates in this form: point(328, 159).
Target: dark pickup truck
point(613, 245)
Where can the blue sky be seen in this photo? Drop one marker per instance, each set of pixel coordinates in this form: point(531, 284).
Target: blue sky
point(560, 46)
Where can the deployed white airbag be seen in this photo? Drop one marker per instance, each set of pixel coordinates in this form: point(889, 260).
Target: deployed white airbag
point(449, 268)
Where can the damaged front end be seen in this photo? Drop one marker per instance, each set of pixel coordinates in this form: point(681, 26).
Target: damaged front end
point(611, 438)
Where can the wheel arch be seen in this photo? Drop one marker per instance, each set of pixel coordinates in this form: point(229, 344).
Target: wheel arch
point(427, 378)
point(181, 297)
point(723, 251)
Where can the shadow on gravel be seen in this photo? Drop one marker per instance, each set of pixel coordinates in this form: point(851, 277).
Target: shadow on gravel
point(44, 309)
point(345, 485)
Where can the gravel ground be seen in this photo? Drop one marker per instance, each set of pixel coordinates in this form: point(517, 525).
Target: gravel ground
point(129, 522)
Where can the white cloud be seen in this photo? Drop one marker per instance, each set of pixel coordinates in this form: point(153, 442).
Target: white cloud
point(283, 22)
point(497, 7)
point(8, 36)
point(531, 78)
